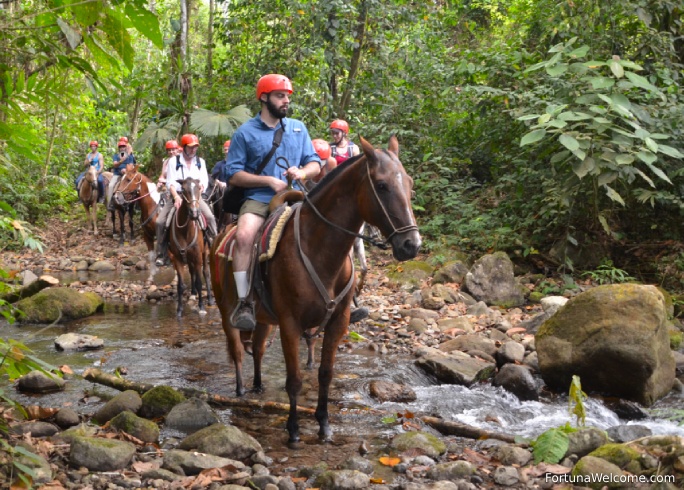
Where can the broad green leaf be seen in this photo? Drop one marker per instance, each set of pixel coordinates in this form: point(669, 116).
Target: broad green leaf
point(73, 37)
point(602, 120)
point(631, 65)
point(580, 52)
point(558, 48)
point(584, 167)
point(641, 133)
point(617, 69)
point(210, 123)
point(646, 178)
point(660, 136)
point(118, 37)
point(573, 116)
point(606, 227)
point(569, 142)
point(624, 159)
point(551, 446)
point(557, 123)
point(607, 178)
point(560, 156)
point(528, 117)
point(646, 156)
point(544, 118)
point(599, 83)
point(621, 100)
point(86, 13)
point(623, 133)
point(101, 56)
point(532, 137)
point(614, 196)
point(9, 85)
point(670, 151)
point(19, 84)
point(580, 154)
point(651, 144)
point(640, 81)
point(659, 173)
point(32, 82)
point(145, 22)
point(557, 70)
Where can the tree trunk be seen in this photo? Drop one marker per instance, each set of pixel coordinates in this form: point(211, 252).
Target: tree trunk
point(44, 281)
point(184, 21)
point(210, 42)
point(360, 37)
point(135, 117)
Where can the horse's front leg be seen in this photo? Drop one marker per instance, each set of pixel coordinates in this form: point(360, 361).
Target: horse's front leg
point(236, 352)
point(334, 332)
point(94, 216)
point(207, 276)
point(197, 279)
point(122, 222)
point(289, 337)
point(259, 338)
point(131, 209)
point(180, 289)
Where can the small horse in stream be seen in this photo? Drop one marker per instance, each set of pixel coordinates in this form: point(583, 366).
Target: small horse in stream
point(137, 188)
point(88, 194)
point(186, 244)
point(309, 281)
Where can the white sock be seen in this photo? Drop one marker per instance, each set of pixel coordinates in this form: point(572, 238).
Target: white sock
point(241, 283)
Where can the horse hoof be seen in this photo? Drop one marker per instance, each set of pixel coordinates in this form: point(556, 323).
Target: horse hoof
point(203, 312)
point(192, 297)
point(295, 444)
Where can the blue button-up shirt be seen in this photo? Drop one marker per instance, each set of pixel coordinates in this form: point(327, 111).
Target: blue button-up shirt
point(254, 140)
point(119, 170)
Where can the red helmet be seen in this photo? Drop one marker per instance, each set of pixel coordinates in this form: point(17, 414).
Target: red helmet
point(341, 125)
point(171, 145)
point(123, 141)
point(226, 145)
point(95, 143)
point(269, 83)
point(322, 148)
point(189, 139)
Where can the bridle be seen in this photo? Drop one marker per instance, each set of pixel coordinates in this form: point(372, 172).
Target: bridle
point(190, 202)
point(125, 192)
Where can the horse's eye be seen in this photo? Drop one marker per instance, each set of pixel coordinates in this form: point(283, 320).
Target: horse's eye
point(381, 186)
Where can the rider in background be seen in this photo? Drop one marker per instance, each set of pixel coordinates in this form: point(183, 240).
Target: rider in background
point(186, 164)
point(251, 144)
point(322, 147)
point(172, 149)
point(95, 159)
point(341, 147)
point(122, 158)
point(217, 172)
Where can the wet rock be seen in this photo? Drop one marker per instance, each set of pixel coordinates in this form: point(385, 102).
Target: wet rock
point(59, 303)
point(626, 433)
point(66, 417)
point(385, 391)
point(585, 440)
point(222, 440)
point(264, 481)
point(506, 476)
point(466, 343)
point(27, 277)
point(36, 428)
point(491, 280)
point(417, 325)
point(102, 266)
point(478, 309)
point(342, 480)
point(454, 470)
point(457, 368)
point(429, 444)
point(454, 272)
point(142, 265)
point(628, 410)
point(510, 455)
point(159, 401)
point(193, 462)
point(460, 323)
point(615, 338)
point(590, 466)
point(127, 400)
point(82, 265)
point(510, 352)
point(190, 416)
point(359, 464)
point(39, 382)
point(99, 454)
point(140, 428)
point(77, 341)
point(551, 304)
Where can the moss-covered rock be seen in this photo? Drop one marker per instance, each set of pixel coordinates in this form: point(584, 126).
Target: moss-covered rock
point(159, 401)
point(618, 454)
point(61, 304)
point(410, 274)
point(535, 297)
point(432, 445)
point(138, 427)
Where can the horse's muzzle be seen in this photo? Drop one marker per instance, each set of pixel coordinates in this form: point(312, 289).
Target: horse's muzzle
point(405, 246)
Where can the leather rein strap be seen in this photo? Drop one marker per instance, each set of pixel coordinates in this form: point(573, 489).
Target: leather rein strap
point(330, 304)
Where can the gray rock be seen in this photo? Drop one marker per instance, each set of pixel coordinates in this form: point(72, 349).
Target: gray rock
point(460, 322)
point(36, 428)
point(421, 313)
point(190, 416)
point(27, 277)
point(66, 417)
point(454, 470)
point(510, 352)
point(429, 444)
point(128, 400)
point(491, 279)
point(551, 304)
point(518, 380)
point(451, 272)
point(99, 454)
point(102, 266)
point(506, 476)
point(342, 480)
point(39, 382)
point(77, 341)
point(193, 462)
point(264, 481)
point(222, 440)
point(457, 368)
point(358, 463)
point(140, 428)
point(510, 455)
point(385, 391)
point(585, 440)
point(627, 433)
point(468, 342)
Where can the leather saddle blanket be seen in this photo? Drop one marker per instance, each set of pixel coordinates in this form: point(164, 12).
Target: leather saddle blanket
point(267, 239)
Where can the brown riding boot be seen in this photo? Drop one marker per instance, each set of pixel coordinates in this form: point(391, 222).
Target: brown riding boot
point(243, 316)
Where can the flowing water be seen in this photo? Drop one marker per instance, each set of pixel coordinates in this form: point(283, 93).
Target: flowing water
point(154, 347)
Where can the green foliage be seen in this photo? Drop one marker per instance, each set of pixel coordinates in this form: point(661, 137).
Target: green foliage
point(551, 445)
point(576, 399)
point(607, 273)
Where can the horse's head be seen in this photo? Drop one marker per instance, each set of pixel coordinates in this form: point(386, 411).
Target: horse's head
point(130, 185)
point(91, 176)
point(386, 202)
point(191, 194)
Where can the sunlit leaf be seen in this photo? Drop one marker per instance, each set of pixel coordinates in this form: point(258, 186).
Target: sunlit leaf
point(569, 142)
point(614, 196)
point(532, 137)
point(617, 69)
point(670, 151)
point(210, 123)
point(389, 461)
point(73, 37)
point(145, 22)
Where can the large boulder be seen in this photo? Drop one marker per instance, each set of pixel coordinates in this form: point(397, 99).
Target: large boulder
point(61, 304)
point(491, 280)
point(614, 337)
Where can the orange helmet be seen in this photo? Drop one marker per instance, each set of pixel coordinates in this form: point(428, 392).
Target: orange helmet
point(189, 139)
point(95, 143)
point(171, 145)
point(271, 82)
point(322, 148)
point(226, 145)
point(341, 125)
point(123, 141)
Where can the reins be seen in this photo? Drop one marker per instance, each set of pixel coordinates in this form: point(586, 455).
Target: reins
point(183, 251)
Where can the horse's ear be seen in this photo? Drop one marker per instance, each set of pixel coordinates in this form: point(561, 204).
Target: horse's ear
point(393, 146)
point(368, 149)
point(180, 181)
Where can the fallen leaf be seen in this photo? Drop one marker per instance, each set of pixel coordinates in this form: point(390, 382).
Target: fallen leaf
point(474, 457)
point(389, 461)
point(377, 481)
point(40, 413)
point(65, 369)
point(141, 466)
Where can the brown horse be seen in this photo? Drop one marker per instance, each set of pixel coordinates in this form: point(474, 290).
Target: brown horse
point(88, 194)
point(312, 265)
point(186, 244)
point(137, 188)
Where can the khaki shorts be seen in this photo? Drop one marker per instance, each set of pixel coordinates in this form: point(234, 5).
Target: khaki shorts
point(254, 207)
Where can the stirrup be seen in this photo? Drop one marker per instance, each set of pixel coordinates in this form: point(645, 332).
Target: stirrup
point(242, 317)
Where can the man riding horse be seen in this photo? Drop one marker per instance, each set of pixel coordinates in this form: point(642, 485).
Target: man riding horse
point(187, 164)
point(257, 143)
point(119, 161)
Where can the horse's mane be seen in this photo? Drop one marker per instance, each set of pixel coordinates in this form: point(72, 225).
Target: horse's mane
point(331, 176)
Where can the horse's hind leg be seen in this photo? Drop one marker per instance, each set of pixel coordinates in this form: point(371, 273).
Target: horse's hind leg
point(180, 289)
point(197, 280)
point(310, 347)
point(207, 278)
point(130, 221)
point(235, 352)
point(94, 216)
point(122, 222)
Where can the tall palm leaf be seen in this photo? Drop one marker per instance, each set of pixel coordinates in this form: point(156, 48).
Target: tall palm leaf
point(157, 134)
point(213, 124)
